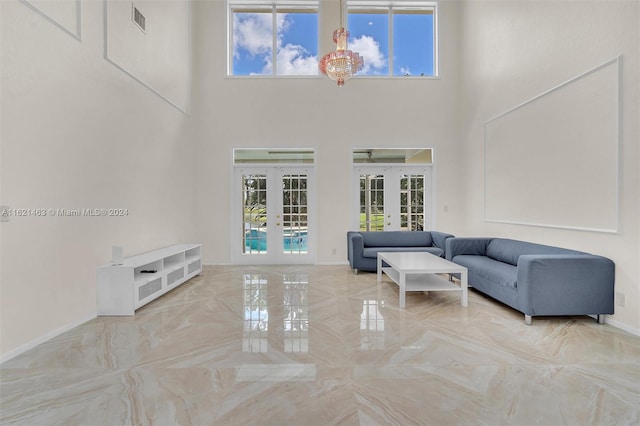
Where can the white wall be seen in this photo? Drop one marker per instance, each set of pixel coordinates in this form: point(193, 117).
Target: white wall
point(314, 112)
point(513, 51)
point(77, 132)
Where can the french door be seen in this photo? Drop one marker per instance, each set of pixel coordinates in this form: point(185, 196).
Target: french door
point(393, 198)
point(274, 215)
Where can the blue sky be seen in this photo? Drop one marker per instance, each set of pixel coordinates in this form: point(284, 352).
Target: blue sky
point(297, 52)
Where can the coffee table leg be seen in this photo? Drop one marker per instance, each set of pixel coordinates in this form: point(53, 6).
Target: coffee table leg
point(403, 286)
point(465, 288)
point(379, 270)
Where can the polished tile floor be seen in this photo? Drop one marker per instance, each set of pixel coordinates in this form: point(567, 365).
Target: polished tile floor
point(318, 345)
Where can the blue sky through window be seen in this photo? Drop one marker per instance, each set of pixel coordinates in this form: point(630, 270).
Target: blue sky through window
point(369, 36)
point(413, 44)
point(297, 43)
point(252, 42)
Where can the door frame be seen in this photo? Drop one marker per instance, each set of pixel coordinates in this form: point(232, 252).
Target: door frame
point(395, 170)
point(274, 171)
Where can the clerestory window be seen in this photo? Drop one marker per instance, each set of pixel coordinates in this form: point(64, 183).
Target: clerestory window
point(395, 38)
point(273, 38)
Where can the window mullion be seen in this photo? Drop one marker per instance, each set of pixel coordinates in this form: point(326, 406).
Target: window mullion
point(274, 52)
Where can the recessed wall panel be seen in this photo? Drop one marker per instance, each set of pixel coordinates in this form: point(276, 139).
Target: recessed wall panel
point(63, 13)
point(553, 160)
point(160, 56)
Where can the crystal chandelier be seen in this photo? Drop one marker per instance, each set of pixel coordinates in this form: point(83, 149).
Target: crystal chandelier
point(341, 64)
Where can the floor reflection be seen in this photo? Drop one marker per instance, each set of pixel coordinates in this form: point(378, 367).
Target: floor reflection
point(296, 308)
point(371, 325)
point(292, 308)
point(256, 314)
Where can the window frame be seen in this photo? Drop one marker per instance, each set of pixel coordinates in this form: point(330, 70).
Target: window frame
point(388, 7)
point(275, 7)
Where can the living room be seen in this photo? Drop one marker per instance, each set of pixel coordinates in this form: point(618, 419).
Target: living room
point(87, 125)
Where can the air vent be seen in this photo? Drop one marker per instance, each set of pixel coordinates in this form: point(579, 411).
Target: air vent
point(138, 19)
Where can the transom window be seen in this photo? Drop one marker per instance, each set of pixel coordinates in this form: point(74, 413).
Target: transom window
point(273, 38)
point(395, 38)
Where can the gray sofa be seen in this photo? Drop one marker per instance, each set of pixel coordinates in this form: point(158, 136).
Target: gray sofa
point(363, 246)
point(535, 279)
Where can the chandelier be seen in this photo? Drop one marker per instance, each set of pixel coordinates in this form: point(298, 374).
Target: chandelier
point(341, 64)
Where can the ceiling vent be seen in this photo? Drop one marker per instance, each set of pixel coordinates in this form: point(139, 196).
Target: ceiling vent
point(139, 19)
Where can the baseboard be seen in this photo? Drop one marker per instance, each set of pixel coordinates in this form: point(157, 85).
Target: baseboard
point(214, 265)
point(621, 326)
point(50, 335)
point(343, 263)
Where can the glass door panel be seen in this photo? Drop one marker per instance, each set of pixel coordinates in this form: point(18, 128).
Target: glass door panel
point(254, 205)
point(276, 218)
point(371, 197)
point(393, 198)
point(295, 225)
point(412, 202)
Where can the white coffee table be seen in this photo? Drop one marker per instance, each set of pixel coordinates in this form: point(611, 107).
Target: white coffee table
point(416, 271)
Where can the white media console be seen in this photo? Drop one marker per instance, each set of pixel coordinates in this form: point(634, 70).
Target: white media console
point(123, 288)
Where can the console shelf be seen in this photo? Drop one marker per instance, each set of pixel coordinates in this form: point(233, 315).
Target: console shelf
point(121, 289)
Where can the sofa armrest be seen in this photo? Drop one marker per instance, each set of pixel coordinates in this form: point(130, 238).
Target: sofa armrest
point(571, 284)
point(469, 246)
point(440, 239)
point(355, 246)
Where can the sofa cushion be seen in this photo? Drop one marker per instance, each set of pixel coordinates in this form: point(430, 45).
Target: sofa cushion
point(373, 251)
point(489, 270)
point(397, 239)
point(509, 251)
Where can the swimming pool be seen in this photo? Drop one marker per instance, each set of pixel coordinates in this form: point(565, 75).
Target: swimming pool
point(292, 241)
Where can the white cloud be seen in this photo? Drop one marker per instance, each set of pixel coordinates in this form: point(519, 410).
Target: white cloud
point(369, 49)
point(295, 60)
point(283, 23)
point(268, 66)
point(253, 33)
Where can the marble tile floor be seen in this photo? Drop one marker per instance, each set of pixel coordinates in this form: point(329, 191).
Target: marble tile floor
point(318, 345)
